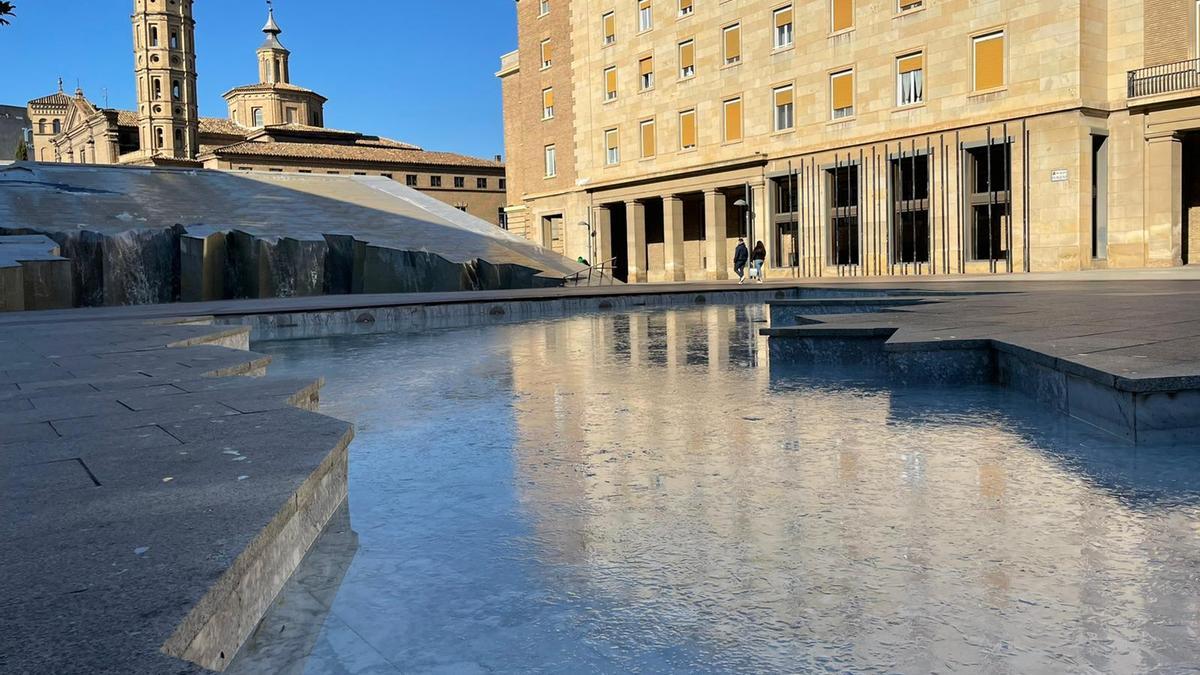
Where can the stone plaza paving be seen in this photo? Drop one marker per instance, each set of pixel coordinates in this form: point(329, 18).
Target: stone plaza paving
point(155, 502)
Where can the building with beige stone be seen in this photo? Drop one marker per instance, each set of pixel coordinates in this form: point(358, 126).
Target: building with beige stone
point(273, 125)
point(856, 137)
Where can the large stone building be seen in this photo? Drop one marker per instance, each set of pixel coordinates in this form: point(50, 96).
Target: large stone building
point(273, 124)
point(856, 137)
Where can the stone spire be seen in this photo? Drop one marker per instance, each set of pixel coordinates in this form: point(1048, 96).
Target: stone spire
point(165, 62)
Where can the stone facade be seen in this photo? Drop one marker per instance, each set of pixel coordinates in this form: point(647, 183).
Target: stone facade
point(863, 138)
point(274, 125)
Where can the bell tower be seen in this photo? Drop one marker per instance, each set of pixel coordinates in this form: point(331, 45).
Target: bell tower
point(165, 62)
point(272, 56)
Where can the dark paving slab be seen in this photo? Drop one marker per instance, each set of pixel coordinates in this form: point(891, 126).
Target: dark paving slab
point(127, 512)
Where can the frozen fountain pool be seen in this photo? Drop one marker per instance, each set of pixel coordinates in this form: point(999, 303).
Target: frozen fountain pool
point(643, 492)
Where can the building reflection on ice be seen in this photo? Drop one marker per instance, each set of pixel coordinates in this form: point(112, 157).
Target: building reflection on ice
point(827, 519)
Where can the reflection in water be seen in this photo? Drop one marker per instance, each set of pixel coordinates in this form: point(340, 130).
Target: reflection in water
point(644, 492)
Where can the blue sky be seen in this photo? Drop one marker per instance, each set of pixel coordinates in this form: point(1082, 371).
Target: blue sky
point(417, 70)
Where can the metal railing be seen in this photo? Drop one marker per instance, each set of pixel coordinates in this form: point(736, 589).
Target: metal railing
point(1164, 79)
point(599, 273)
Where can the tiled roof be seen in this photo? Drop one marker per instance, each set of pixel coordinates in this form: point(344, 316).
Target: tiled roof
point(278, 85)
point(220, 125)
point(126, 118)
point(57, 98)
point(353, 153)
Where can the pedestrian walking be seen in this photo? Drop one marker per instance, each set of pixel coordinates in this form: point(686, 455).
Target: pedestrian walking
point(757, 259)
point(740, 256)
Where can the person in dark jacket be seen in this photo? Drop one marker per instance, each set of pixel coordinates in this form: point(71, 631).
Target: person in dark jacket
point(758, 258)
point(740, 256)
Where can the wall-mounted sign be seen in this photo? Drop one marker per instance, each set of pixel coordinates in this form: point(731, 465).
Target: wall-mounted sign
point(1058, 176)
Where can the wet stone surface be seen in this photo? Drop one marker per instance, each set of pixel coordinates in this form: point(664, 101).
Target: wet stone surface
point(645, 492)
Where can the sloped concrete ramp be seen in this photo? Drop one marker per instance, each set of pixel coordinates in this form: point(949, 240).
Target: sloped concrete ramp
point(140, 235)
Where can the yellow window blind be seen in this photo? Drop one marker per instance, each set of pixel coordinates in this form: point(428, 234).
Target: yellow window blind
point(908, 64)
point(783, 96)
point(546, 52)
point(989, 61)
point(684, 6)
point(646, 66)
point(610, 139)
point(783, 17)
point(648, 138)
point(610, 27)
point(610, 82)
point(843, 14)
point(687, 129)
point(843, 90)
point(733, 120)
point(548, 98)
point(733, 44)
point(687, 55)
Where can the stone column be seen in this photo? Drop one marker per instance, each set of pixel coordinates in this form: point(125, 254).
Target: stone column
point(760, 218)
point(635, 226)
point(1164, 200)
point(715, 253)
point(673, 238)
point(602, 224)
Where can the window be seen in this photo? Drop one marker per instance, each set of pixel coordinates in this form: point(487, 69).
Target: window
point(176, 92)
point(546, 54)
point(910, 79)
point(732, 43)
point(841, 94)
point(612, 146)
point(609, 23)
point(685, 8)
point(174, 40)
point(732, 120)
point(646, 73)
point(502, 218)
point(648, 139)
point(783, 28)
point(909, 5)
point(551, 163)
point(842, 184)
point(989, 175)
point(988, 56)
point(410, 180)
point(610, 83)
point(57, 126)
point(645, 15)
point(503, 183)
point(785, 110)
point(257, 115)
point(841, 15)
point(460, 181)
point(157, 89)
point(159, 137)
point(480, 183)
point(178, 138)
point(435, 181)
point(687, 129)
point(910, 209)
point(153, 36)
point(687, 59)
point(548, 103)
point(543, 7)
point(385, 175)
point(290, 115)
point(274, 170)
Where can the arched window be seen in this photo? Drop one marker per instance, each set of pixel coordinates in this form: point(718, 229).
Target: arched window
point(176, 93)
point(174, 40)
point(57, 126)
point(276, 71)
point(258, 116)
point(42, 126)
point(157, 89)
point(153, 36)
point(178, 139)
point(158, 137)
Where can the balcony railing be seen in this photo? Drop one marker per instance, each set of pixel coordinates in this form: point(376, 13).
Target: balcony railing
point(1165, 79)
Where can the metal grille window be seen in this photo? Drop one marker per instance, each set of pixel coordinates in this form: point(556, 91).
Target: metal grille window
point(910, 209)
point(989, 200)
point(844, 234)
point(910, 79)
